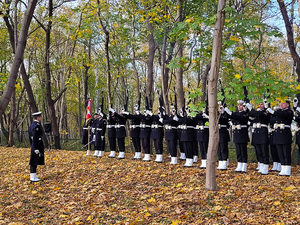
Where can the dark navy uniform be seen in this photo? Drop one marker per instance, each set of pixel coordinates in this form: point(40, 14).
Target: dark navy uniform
point(145, 131)
point(202, 135)
point(297, 119)
point(224, 137)
point(120, 131)
point(283, 135)
point(171, 134)
point(273, 149)
point(157, 134)
point(181, 147)
point(100, 134)
point(135, 131)
point(260, 134)
point(111, 131)
point(240, 134)
point(188, 135)
point(35, 132)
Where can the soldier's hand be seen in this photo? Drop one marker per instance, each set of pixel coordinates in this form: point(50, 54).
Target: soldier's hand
point(205, 115)
point(125, 113)
point(295, 102)
point(37, 151)
point(102, 138)
point(161, 120)
point(175, 118)
point(149, 112)
point(249, 106)
point(269, 110)
point(111, 110)
point(227, 111)
point(298, 109)
point(137, 112)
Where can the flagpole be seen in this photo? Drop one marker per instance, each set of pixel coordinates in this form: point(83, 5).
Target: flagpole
point(89, 138)
point(88, 121)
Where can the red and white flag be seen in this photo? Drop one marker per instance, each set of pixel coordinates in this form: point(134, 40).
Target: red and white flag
point(89, 110)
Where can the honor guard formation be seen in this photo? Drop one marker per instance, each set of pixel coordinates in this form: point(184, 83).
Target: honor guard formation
point(267, 127)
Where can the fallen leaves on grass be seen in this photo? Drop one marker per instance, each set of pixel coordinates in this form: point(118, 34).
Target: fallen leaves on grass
point(77, 189)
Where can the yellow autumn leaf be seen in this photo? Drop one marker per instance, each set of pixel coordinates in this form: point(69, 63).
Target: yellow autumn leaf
point(298, 87)
point(163, 175)
point(277, 203)
point(151, 200)
point(237, 76)
point(176, 222)
point(34, 192)
point(179, 185)
point(148, 214)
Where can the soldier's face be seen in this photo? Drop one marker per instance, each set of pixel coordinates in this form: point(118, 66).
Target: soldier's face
point(39, 118)
point(284, 105)
point(261, 106)
point(240, 107)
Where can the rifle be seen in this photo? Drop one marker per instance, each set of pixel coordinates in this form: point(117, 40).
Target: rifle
point(161, 104)
point(266, 98)
point(138, 105)
point(175, 104)
point(223, 93)
point(146, 103)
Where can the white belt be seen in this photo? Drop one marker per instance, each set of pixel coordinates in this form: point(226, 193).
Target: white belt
point(40, 139)
point(85, 128)
point(134, 126)
point(156, 126)
point(184, 127)
point(238, 127)
point(201, 127)
point(98, 129)
point(144, 126)
point(222, 126)
point(110, 126)
point(168, 127)
point(259, 125)
point(119, 126)
point(281, 126)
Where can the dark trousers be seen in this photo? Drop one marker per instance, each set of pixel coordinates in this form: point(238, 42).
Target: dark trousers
point(274, 153)
point(112, 144)
point(262, 153)
point(146, 145)
point(196, 149)
point(136, 141)
point(223, 151)
point(188, 149)
point(284, 153)
point(33, 168)
point(121, 144)
point(172, 147)
point(181, 147)
point(241, 152)
point(158, 145)
point(102, 145)
point(203, 149)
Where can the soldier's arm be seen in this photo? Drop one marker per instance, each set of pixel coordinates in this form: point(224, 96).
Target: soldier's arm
point(284, 113)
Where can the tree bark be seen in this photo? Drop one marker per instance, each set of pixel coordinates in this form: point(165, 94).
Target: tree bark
point(50, 101)
point(290, 37)
point(106, 47)
point(18, 59)
point(211, 183)
point(179, 70)
point(204, 81)
point(150, 61)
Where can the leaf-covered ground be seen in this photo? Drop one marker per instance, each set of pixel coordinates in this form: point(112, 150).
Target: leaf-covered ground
point(77, 189)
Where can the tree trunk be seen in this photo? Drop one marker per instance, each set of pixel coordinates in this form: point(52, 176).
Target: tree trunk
point(18, 59)
point(204, 81)
point(179, 70)
point(50, 101)
point(106, 47)
point(211, 183)
point(12, 121)
point(290, 37)
point(150, 61)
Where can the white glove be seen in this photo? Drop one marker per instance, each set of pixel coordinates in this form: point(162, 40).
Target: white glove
point(102, 138)
point(228, 111)
point(125, 113)
point(37, 151)
point(205, 115)
point(249, 106)
point(137, 112)
point(175, 118)
point(295, 102)
point(270, 110)
point(149, 112)
point(265, 103)
point(298, 109)
point(161, 120)
point(111, 110)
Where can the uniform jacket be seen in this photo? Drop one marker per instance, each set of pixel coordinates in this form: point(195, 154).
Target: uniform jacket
point(202, 134)
point(188, 134)
point(260, 134)
point(120, 125)
point(111, 122)
point(171, 132)
point(283, 136)
point(240, 119)
point(135, 125)
point(157, 128)
point(223, 127)
point(35, 132)
point(146, 122)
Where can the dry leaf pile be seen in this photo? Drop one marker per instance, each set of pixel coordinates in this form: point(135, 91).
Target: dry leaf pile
point(77, 189)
